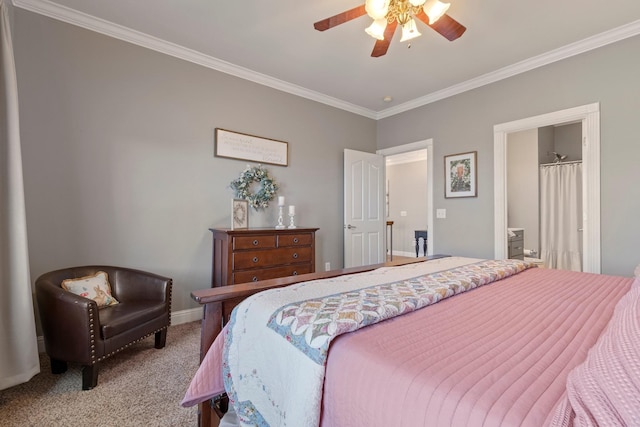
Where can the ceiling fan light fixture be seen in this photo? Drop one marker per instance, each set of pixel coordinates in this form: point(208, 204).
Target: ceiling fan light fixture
point(376, 29)
point(377, 9)
point(435, 9)
point(409, 31)
point(388, 15)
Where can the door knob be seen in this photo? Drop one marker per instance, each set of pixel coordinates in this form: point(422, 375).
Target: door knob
point(349, 227)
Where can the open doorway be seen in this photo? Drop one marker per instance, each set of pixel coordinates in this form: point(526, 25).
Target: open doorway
point(409, 198)
point(544, 196)
point(589, 117)
point(406, 203)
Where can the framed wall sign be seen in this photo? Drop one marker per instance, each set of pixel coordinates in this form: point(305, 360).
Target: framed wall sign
point(460, 175)
point(234, 145)
point(239, 214)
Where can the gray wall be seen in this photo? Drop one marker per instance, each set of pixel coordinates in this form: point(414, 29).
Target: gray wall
point(407, 192)
point(118, 154)
point(568, 141)
point(118, 143)
point(546, 144)
point(464, 122)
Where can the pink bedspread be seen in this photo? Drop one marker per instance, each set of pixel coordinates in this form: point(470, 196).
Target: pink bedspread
point(495, 356)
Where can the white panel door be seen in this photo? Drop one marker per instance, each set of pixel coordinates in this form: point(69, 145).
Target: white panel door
point(363, 208)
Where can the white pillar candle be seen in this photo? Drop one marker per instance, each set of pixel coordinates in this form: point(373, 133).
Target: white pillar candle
point(292, 210)
point(280, 200)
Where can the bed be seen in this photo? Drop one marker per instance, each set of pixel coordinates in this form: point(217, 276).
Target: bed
point(530, 347)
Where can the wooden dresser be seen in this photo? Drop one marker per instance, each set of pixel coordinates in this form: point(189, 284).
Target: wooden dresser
point(253, 254)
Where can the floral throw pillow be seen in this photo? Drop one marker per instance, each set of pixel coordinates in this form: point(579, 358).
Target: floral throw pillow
point(95, 287)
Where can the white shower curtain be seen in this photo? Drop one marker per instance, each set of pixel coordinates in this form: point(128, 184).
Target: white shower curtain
point(18, 343)
point(561, 216)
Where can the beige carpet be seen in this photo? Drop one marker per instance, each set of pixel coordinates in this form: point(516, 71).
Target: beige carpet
point(140, 386)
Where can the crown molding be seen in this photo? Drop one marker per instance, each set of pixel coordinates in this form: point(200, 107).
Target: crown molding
point(89, 22)
point(590, 43)
point(80, 19)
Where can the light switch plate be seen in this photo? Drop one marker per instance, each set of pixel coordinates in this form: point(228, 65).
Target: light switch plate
point(441, 213)
point(403, 213)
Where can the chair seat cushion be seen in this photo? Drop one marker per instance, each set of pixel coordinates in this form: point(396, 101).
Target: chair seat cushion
point(125, 316)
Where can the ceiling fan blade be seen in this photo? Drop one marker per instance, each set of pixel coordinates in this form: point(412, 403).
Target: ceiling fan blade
point(446, 25)
point(340, 18)
point(382, 46)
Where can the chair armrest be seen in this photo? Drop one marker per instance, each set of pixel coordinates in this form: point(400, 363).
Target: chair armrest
point(136, 285)
point(69, 322)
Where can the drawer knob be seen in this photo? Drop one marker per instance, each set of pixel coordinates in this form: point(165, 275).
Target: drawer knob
point(295, 256)
point(295, 240)
point(254, 279)
point(255, 242)
point(255, 259)
point(295, 273)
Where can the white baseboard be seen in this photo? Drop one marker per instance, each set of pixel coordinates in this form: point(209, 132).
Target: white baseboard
point(407, 254)
point(177, 318)
point(186, 316)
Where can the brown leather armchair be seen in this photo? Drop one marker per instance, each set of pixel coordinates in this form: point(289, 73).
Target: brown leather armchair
point(76, 331)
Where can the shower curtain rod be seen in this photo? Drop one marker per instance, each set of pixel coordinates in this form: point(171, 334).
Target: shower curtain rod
point(561, 163)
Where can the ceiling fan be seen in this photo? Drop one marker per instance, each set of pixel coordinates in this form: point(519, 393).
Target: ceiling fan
point(388, 14)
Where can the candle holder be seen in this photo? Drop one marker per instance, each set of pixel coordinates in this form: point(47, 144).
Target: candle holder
point(280, 225)
point(291, 222)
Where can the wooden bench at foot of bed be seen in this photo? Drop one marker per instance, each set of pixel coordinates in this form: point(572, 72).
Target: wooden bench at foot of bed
point(218, 303)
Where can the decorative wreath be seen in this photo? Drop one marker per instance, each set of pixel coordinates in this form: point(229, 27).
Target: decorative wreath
point(243, 187)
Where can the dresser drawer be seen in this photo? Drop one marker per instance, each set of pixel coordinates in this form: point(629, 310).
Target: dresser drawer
point(253, 242)
point(516, 246)
point(303, 239)
point(261, 259)
point(516, 249)
point(271, 273)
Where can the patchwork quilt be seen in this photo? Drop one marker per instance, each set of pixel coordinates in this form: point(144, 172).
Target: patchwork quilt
point(278, 341)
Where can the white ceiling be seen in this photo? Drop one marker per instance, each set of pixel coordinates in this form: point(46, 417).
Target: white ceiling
point(273, 42)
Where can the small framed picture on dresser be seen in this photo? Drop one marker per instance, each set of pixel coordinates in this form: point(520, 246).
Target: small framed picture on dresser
point(239, 214)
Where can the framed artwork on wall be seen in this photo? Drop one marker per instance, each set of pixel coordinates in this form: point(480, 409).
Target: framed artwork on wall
point(239, 214)
point(242, 146)
point(460, 175)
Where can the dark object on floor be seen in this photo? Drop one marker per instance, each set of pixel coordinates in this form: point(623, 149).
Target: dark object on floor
point(76, 330)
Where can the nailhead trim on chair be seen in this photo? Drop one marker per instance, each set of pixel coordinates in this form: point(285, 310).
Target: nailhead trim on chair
point(128, 345)
point(92, 332)
point(170, 296)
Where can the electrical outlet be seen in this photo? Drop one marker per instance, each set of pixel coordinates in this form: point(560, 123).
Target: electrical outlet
point(327, 266)
point(403, 213)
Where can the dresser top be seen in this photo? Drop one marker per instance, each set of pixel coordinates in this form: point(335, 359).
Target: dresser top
point(263, 230)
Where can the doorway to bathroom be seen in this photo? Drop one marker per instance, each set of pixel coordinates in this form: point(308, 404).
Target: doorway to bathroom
point(544, 196)
point(588, 116)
